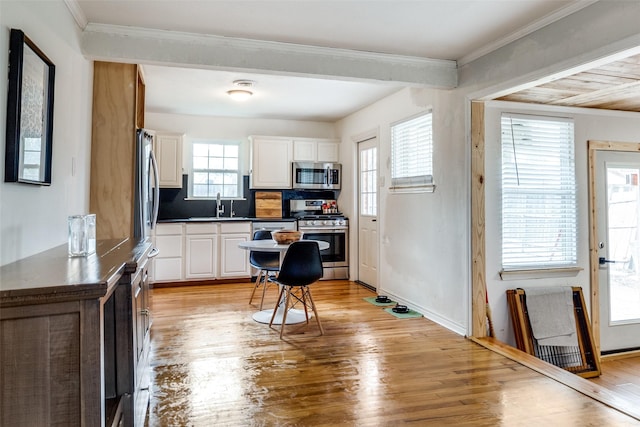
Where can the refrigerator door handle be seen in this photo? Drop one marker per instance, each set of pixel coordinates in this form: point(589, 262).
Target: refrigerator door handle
point(156, 190)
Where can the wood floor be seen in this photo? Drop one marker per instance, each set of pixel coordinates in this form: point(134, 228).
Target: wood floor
point(212, 365)
point(621, 376)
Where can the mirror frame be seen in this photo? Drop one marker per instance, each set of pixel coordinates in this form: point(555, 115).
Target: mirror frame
point(41, 114)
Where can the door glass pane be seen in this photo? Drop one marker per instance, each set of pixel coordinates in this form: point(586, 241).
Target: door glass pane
point(368, 181)
point(624, 244)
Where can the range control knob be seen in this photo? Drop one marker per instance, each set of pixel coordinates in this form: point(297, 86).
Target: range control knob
point(328, 222)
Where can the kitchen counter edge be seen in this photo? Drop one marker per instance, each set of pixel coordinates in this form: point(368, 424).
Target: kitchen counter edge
point(224, 219)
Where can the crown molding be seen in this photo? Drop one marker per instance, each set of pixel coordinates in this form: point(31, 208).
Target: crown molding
point(77, 13)
point(526, 30)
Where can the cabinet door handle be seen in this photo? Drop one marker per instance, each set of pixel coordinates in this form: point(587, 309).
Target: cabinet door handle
point(145, 312)
point(154, 252)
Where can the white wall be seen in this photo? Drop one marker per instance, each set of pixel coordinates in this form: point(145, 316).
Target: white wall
point(425, 256)
point(34, 218)
point(422, 236)
point(236, 129)
point(589, 125)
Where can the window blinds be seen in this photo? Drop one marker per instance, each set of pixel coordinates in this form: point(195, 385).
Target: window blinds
point(412, 151)
point(538, 193)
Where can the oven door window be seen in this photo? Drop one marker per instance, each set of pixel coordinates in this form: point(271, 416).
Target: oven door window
point(337, 244)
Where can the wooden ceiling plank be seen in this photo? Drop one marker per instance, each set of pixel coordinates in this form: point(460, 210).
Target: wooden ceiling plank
point(605, 95)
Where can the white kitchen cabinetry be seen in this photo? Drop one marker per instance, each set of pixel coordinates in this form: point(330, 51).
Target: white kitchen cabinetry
point(234, 261)
point(201, 251)
point(168, 150)
point(167, 265)
point(271, 162)
point(201, 257)
point(328, 151)
point(315, 150)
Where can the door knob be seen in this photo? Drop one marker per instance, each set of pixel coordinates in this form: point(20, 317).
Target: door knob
point(602, 261)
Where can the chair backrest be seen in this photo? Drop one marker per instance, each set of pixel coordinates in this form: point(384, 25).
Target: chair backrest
point(302, 264)
point(262, 235)
point(263, 259)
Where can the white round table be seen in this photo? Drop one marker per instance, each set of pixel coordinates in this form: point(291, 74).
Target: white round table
point(264, 316)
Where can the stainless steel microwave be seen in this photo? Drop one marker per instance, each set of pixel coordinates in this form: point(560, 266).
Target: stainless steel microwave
point(317, 176)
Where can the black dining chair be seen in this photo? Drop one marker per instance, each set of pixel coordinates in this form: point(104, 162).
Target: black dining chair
point(267, 263)
point(301, 267)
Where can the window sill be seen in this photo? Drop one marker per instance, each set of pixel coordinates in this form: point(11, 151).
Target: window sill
point(213, 198)
point(540, 273)
point(413, 190)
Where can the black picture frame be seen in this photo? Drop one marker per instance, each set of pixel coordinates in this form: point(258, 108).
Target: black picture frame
point(29, 138)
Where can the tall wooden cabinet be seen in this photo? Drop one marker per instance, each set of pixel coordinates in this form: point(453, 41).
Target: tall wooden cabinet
point(118, 110)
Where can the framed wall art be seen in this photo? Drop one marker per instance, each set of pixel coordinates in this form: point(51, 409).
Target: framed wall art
point(29, 141)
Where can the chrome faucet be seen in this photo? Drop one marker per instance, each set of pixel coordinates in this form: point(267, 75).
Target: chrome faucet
point(219, 206)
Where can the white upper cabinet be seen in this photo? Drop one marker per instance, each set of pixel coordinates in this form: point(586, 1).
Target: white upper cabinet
point(315, 150)
point(168, 150)
point(271, 159)
point(328, 151)
point(305, 151)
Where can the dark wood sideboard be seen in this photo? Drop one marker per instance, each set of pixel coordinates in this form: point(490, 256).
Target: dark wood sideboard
point(74, 337)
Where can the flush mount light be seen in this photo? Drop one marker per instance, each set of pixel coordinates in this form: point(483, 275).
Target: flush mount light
point(241, 94)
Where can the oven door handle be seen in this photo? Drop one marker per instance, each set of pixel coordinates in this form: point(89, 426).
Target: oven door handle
point(323, 230)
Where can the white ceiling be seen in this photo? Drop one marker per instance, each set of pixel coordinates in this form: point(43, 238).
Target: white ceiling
point(459, 30)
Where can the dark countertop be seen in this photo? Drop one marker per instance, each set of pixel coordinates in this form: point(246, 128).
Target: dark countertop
point(53, 276)
point(225, 219)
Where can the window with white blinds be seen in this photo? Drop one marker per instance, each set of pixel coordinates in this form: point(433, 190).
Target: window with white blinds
point(412, 152)
point(538, 193)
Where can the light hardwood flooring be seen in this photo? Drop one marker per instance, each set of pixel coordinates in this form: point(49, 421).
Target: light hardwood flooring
point(212, 365)
point(621, 376)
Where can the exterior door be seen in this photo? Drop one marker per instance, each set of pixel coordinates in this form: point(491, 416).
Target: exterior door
point(618, 203)
point(368, 212)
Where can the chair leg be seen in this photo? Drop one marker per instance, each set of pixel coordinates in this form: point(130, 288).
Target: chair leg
point(303, 292)
point(273, 316)
point(257, 284)
point(264, 287)
point(315, 312)
point(287, 300)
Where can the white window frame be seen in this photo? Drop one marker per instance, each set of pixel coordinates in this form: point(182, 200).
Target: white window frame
point(237, 171)
point(412, 154)
point(539, 193)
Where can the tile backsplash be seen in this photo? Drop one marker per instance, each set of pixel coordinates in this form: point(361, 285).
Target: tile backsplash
point(173, 203)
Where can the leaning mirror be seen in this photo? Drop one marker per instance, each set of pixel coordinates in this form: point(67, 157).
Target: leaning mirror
point(29, 113)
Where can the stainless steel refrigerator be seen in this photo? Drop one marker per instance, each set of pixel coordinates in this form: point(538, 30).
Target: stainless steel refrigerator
point(147, 191)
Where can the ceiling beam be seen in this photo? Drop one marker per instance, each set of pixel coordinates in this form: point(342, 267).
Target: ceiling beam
point(145, 46)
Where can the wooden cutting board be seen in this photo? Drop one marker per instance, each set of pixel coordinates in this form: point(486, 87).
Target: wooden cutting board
point(268, 204)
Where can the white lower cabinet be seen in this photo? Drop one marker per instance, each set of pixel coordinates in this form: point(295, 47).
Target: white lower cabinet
point(201, 255)
point(167, 266)
point(201, 251)
point(234, 261)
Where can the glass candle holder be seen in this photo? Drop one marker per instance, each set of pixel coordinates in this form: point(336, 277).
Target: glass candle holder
point(82, 235)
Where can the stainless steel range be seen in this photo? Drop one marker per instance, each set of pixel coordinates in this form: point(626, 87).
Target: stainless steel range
point(331, 227)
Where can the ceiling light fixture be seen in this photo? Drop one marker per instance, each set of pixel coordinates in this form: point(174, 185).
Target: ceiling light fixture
point(241, 94)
